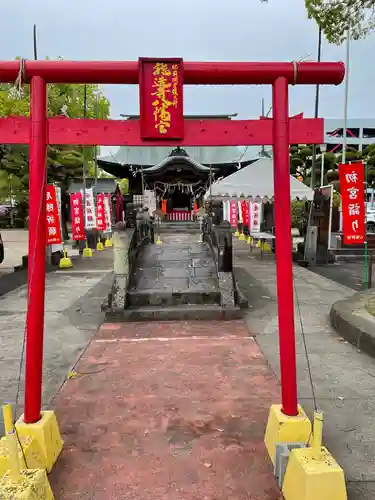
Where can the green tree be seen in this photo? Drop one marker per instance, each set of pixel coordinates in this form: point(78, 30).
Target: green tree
point(336, 16)
point(63, 162)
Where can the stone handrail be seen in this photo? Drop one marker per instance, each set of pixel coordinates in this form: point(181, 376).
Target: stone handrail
point(127, 241)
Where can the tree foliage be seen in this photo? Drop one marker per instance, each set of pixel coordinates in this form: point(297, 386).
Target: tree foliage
point(301, 163)
point(336, 17)
point(63, 162)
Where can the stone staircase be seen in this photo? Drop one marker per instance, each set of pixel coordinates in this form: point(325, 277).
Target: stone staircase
point(178, 280)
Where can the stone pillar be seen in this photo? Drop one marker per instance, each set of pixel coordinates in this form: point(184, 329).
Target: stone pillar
point(223, 238)
point(121, 241)
point(217, 212)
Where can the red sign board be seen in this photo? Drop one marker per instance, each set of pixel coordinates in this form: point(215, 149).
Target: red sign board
point(100, 213)
point(52, 217)
point(233, 213)
point(161, 99)
point(78, 223)
point(352, 178)
point(245, 212)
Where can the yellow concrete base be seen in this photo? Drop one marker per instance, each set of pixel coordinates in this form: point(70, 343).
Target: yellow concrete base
point(31, 485)
point(108, 243)
point(65, 263)
point(266, 247)
point(236, 234)
point(249, 240)
point(158, 241)
point(46, 433)
point(308, 478)
point(31, 452)
point(242, 237)
point(87, 252)
point(284, 429)
point(99, 246)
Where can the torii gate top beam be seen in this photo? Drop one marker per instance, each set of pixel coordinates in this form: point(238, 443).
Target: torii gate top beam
point(194, 73)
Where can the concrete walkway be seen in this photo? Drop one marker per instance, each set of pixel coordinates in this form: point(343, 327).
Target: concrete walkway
point(343, 379)
point(73, 315)
point(169, 410)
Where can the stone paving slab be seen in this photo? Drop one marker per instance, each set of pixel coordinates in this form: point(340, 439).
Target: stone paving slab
point(175, 265)
point(180, 415)
point(73, 315)
point(343, 378)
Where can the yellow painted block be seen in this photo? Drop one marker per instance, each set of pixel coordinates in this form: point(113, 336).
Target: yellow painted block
point(258, 244)
point(250, 240)
point(99, 246)
point(65, 263)
point(284, 429)
point(309, 478)
point(32, 485)
point(46, 433)
point(31, 452)
point(236, 234)
point(242, 237)
point(108, 243)
point(266, 247)
point(87, 252)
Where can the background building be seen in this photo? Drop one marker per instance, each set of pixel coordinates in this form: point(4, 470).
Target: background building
point(360, 133)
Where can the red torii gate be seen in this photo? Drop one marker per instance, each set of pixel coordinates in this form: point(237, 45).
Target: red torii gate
point(281, 131)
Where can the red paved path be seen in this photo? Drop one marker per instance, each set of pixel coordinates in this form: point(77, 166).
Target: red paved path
point(171, 411)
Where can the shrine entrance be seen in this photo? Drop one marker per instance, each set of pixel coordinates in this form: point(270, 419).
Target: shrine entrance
point(162, 123)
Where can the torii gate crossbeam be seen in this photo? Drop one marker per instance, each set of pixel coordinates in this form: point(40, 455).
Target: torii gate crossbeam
point(281, 131)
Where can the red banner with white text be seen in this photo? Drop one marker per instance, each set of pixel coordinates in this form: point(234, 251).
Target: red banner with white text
point(78, 222)
point(352, 178)
point(100, 213)
point(52, 217)
point(245, 213)
point(161, 98)
point(233, 213)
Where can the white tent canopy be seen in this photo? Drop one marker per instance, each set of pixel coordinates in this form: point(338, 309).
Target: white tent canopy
point(256, 182)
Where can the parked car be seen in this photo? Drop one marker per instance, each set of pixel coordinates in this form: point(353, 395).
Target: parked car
point(1, 250)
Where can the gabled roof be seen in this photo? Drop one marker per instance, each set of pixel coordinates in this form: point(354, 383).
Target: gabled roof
point(177, 158)
point(149, 156)
point(255, 181)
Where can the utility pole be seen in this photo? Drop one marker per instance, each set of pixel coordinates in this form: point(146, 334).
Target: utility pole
point(263, 148)
point(346, 98)
point(35, 43)
point(317, 93)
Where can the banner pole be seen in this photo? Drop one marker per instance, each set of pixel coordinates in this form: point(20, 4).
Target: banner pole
point(365, 261)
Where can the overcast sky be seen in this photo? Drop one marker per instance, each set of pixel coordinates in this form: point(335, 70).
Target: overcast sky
point(236, 30)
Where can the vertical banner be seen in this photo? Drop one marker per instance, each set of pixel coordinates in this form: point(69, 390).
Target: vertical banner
point(78, 223)
point(150, 200)
point(100, 213)
point(52, 217)
point(90, 219)
point(164, 206)
point(245, 213)
point(239, 212)
point(255, 216)
point(107, 213)
point(233, 213)
point(161, 98)
point(352, 178)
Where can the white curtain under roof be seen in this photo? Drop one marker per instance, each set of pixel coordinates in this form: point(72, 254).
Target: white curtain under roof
point(256, 182)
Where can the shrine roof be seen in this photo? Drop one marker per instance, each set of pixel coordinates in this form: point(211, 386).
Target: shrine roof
point(154, 155)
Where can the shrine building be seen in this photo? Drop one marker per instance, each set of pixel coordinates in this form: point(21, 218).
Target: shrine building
point(181, 176)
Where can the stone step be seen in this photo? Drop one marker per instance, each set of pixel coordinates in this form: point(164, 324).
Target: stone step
point(161, 298)
point(208, 312)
